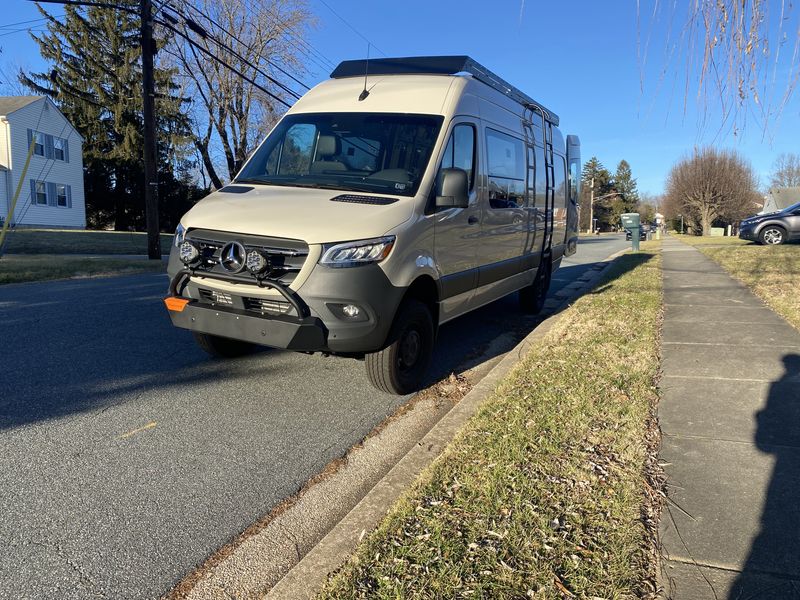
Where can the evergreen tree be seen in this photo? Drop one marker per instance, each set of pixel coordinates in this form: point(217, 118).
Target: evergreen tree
point(625, 184)
point(594, 171)
point(96, 81)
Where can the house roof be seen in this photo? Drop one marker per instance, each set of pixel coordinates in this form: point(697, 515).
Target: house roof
point(9, 104)
point(785, 197)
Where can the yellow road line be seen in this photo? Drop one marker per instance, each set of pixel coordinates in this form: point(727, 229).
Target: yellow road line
point(149, 425)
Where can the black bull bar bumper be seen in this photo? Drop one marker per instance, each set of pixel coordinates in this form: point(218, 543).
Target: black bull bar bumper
point(301, 333)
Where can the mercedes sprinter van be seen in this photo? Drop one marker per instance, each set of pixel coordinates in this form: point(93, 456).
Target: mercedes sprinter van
point(397, 195)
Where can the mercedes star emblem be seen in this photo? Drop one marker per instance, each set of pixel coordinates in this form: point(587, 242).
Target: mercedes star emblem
point(232, 257)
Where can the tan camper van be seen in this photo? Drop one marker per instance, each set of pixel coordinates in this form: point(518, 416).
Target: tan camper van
point(397, 195)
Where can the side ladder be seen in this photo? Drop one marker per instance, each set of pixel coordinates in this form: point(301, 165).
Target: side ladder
point(550, 176)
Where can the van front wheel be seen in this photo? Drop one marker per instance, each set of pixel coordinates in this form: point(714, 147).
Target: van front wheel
point(532, 298)
point(401, 366)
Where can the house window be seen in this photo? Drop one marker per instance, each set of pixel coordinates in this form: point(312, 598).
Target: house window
point(41, 192)
point(61, 195)
point(58, 148)
point(38, 148)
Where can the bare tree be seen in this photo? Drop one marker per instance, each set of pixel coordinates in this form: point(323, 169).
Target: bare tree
point(786, 171)
point(241, 66)
point(712, 185)
point(743, 55)
point(647, 206)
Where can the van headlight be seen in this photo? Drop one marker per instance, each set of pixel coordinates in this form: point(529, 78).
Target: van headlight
point(352, 254)
point(180, 233)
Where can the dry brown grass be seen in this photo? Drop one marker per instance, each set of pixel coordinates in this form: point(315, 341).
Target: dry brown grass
point(545, 493)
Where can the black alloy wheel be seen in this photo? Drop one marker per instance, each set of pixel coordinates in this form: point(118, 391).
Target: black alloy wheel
point(533, 297)
point(400, 367)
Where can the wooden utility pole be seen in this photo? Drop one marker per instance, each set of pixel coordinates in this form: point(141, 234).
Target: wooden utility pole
point(150, 140)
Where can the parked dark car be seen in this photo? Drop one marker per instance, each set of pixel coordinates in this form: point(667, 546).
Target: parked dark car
point(772, 228)
point(643, 230)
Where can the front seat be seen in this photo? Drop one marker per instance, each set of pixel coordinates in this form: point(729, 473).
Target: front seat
point(327, 147)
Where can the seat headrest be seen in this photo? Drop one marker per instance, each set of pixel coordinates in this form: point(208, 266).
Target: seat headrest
point(327, 146)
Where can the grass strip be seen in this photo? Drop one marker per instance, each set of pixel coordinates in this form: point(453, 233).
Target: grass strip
point(699, 240)
point(545, 492)
point(771, 272)
point(19, 268)
point(69, 241)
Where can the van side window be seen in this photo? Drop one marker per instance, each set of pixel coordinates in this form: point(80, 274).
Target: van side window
point(506, 170)
point(460, 151)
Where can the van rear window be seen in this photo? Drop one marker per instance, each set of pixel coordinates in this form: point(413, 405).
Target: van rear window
point(369, 152)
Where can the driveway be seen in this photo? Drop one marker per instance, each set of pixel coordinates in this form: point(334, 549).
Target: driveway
point(127, 456)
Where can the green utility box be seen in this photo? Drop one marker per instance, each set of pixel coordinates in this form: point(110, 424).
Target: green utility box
point(631, 222)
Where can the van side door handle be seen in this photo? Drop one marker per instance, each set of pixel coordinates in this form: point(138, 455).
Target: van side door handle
point(472, 220)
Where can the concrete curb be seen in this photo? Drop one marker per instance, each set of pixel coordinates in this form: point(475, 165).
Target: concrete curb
point(306, 578)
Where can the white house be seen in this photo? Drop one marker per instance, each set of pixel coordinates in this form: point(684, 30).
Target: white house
point(51, 194)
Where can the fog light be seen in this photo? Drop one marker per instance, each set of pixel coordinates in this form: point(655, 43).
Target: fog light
point(188, 253)
point(351, 310)
point(257, 262)
point(348, 312)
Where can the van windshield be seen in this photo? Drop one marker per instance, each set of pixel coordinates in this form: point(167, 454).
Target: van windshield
point(364, 152)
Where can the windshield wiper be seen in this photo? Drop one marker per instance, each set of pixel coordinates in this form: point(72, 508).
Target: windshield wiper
point(257, 180)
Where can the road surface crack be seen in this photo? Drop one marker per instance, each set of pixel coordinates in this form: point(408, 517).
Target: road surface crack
point(85, 580)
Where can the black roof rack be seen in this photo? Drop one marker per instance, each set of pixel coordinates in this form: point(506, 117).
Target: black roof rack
point(438, 65)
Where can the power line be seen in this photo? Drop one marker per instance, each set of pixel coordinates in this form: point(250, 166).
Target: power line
point(130, 9)
point(27, 29)
point(298, 36)
point(293, 37)
point(346, 22)
point(9, 25)
point(201, 31)
point(226, 32)
point(223, 63)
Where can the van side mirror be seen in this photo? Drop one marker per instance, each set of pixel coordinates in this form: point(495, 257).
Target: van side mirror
point(452, 189)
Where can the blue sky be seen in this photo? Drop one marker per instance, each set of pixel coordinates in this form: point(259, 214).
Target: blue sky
point(578, 58)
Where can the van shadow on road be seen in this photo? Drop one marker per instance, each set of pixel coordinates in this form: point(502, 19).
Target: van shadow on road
point(85, 346)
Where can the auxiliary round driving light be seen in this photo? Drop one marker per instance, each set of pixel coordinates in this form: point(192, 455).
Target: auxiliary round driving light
point(351, 311)
point(256, 262)
point(188, 253)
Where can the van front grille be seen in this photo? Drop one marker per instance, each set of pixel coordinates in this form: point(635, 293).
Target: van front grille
point(266, 306)
point(262, 306)
point(216, 297)
point(286, 256)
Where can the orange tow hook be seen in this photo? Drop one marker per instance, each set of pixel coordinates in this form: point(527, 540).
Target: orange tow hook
point(176, 304)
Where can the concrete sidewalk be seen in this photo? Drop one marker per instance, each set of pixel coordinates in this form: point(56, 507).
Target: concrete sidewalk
point(730, 416)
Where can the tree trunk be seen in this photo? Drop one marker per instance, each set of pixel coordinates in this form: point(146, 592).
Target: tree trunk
point(707, 216)
point(202, 147)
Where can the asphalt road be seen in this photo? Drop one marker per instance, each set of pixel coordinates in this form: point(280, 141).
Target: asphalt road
point(127, 456)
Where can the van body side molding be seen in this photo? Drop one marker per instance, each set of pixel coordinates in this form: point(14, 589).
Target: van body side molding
point(463, 281)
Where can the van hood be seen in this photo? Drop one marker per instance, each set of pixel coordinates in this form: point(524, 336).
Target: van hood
point(298, 213)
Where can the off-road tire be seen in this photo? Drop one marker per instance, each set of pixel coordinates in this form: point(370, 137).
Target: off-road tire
point(772, 235)
point(533, 297)
point(392, 369)
point(222, 347)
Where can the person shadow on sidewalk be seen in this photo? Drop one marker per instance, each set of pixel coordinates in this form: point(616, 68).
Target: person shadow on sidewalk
point(772, 569)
